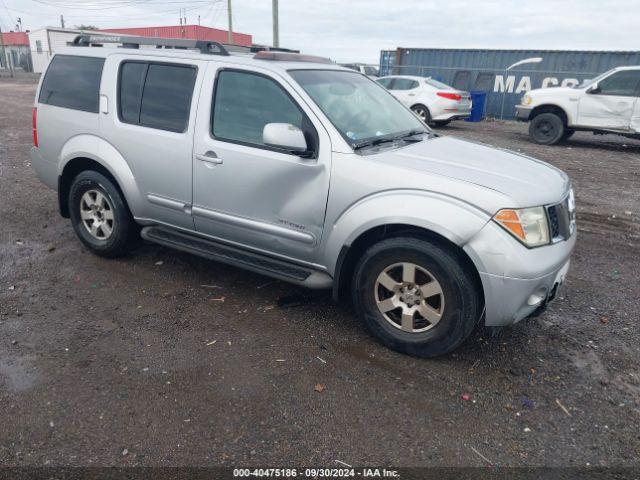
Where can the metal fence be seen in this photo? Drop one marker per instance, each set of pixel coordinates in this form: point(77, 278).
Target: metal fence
point(485, 70)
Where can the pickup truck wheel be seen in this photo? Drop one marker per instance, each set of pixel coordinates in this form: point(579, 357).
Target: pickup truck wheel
point(100, 216)
point(415, 296)
point(546, 128)
point(422, 112)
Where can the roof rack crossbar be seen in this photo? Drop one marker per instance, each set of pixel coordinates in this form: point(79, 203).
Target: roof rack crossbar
point(204, 46)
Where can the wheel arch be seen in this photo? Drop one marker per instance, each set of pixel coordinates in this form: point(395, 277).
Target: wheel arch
point(350, 254)
point(71, 170)
point(551, 108)
point(78, 155)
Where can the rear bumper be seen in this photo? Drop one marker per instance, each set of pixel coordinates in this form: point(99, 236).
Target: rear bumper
point(523, 113)
point(516, 280)
point(47, 171)
point(456, 115)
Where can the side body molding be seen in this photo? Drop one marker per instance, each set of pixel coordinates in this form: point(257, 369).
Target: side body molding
point(453, 219)
point(108, 156)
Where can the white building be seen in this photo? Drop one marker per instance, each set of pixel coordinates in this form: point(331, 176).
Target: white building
point(44, 42)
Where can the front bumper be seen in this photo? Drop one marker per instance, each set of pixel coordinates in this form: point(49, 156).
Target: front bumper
point(517, 280)
point(523, 113)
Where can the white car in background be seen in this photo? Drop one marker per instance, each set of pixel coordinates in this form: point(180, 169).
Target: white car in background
point(368, 70)
point(434, 102)
point(609, 103)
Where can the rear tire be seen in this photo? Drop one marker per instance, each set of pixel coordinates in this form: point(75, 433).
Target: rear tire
point(546, 129)
point(443, 297)
point(422, 112)
point(100, 216)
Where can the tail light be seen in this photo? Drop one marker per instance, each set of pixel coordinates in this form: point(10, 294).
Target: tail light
point(450, 96)
point(34, 126)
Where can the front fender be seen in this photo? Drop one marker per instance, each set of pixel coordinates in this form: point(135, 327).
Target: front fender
point(453, 219)
point(102, 152)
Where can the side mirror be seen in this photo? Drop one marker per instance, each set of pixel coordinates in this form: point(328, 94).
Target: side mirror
point(594, 90)
point(285, 136)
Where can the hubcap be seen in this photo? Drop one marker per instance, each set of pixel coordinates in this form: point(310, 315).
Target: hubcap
point(409, 297)
point(97, 214)
point(546, 129)
point(421, 114)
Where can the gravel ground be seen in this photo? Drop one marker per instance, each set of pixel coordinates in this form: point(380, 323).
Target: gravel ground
point(114, 362)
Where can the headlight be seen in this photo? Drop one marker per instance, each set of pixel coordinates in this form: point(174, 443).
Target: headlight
point(529, 225)
point(526, 100)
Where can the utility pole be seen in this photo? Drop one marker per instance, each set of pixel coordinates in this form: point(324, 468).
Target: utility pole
point(230, 35)
point(61, 21)
point(276, 33)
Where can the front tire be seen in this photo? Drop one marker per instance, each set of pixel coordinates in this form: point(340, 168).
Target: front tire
point(547, 129)
point(416, 296)
point(100, 216)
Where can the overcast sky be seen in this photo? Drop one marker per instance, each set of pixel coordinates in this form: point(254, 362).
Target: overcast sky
point(357, 30)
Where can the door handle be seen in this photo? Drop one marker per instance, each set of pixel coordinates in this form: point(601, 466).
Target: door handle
point(209, 157)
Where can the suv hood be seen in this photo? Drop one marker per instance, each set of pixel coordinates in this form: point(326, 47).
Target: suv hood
point(553, 92)
point(527, 181)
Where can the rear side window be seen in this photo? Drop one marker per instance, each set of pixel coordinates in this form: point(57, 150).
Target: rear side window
point(404, 84)
point(73, 82)
point(156, 95)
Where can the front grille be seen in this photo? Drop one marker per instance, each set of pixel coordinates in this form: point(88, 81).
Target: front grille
point(561, 220)
point(554, 224)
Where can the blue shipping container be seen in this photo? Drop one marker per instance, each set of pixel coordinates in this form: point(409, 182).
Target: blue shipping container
point(485, 70)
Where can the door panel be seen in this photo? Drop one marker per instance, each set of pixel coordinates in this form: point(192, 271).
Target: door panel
point(155, 137)
point(248, 193)
point(612, 104)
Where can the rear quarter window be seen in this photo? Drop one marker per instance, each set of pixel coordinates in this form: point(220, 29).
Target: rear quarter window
point(72, 82)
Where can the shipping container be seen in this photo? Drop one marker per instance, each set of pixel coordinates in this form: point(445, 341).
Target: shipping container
point(486, 70)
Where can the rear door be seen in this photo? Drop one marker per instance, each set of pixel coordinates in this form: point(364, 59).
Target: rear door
point(612, 103)
point(245, 191)
point(149, 120)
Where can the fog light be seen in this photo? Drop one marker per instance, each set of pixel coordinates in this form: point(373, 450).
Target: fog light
point(537, 297)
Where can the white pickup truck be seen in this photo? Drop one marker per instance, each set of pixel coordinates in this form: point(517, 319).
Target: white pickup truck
point(609, 103)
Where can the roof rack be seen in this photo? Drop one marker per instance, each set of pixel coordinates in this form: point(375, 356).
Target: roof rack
point(204, 46)
point(289, 57)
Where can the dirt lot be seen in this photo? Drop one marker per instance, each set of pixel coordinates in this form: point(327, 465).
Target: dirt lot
point(113, 362)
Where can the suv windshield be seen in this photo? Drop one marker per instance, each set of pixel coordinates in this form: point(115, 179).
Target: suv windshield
point(591, 81)
point(358, 107)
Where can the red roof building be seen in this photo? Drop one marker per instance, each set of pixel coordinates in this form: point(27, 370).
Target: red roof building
point(194, 32)
point(15, 38)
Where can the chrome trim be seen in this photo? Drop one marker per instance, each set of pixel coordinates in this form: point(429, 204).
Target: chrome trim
point(255, 225)
point(168, 202)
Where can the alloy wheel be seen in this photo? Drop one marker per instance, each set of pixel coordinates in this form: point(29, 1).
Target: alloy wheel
point(409, 297)
point(97, 214)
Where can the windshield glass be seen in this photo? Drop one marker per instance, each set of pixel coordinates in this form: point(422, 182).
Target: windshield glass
point(358, 107)
point(435, 83)
point(587, 83)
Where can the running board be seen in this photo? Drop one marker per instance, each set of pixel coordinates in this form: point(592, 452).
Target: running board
point(219, 252)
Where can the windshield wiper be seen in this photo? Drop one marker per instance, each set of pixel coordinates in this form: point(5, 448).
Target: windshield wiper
point(374, 142)
point(407, 136)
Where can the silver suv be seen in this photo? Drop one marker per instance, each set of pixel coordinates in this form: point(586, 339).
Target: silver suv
point(296, 168)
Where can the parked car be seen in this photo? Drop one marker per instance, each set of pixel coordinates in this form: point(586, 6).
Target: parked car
point(607, 104)
point(368, 70)
point(434, 102)
point(303, 171)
